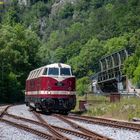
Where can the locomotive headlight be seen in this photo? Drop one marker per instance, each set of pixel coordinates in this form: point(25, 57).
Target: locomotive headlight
point(49, 92)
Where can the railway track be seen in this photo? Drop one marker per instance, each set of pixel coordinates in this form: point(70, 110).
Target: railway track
point(51, 129)
point(60, 129)
point(106, 122)
point(26, 128)
point(55, 130)
point(92, 134)
point(23, 126)
point(68, 131)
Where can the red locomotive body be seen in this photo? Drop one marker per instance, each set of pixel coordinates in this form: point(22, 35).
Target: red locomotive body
point(51, 88)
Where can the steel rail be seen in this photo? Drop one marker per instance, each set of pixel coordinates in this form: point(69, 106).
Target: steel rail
point(4, 110)
point(94, 135)
point(51, 129)
point(31, 130)
point(75, 133)
point(107, 122)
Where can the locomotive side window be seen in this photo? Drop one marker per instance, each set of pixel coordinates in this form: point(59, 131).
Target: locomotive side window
point(30, 75)
point(38, 72)
point(65, 71)
point(53, 71)
point(33, 75)
point(45, 71)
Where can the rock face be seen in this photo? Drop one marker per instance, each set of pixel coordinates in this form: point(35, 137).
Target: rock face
point(23, 2)
point(56, 3)
point(59, 4)
point(56, 6)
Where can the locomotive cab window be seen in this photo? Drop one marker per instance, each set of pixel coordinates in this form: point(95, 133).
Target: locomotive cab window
point(45, 71)
point(53, 71)
point(65, 71)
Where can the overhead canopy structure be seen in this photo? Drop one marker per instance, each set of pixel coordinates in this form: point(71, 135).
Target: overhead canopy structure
point(111, 71)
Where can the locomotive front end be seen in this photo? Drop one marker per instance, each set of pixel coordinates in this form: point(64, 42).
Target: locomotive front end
point(60, 85)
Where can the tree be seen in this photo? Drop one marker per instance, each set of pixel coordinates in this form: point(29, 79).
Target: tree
point(67, 11)
point(18, 55)
point(82, 85)
point(132, 64)
point(87, 59)
point(117, 43)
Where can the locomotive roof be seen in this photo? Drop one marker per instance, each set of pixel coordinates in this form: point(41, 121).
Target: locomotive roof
point(56, 65)
point(37, 72)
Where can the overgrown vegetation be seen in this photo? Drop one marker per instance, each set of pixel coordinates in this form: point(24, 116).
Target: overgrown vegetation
point(126, 109)
point(76, 32)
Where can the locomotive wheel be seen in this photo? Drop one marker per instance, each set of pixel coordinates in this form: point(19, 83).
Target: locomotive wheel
point(32, 108)
point(38, 107)
point(64, 112)
point(26, 103)
point(46, 111)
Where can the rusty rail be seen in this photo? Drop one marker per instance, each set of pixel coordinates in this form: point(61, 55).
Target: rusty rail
point(106, 122)
point(51, 129)
point(31, 130)
point(24, 127)
point(4, 110)
point(92, 134)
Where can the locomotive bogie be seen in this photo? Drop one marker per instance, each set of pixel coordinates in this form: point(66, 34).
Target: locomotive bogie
point(52, 103)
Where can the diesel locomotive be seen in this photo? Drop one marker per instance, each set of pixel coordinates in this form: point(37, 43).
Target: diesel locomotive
point(51, 88)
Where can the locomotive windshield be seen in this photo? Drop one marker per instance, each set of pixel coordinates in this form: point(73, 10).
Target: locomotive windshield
point(65, 71)
point(57, 71)
point(53, 71)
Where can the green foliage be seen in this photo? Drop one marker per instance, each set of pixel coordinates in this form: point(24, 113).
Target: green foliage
point(109, 7)
point(132, 64)
point(82, 85)
point(82, 63)
point(136, 78)
point(67, 11)
point(116, 43)
point(18, 56)
point(79, 33)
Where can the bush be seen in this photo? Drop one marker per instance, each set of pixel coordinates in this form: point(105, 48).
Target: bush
point(82, 85)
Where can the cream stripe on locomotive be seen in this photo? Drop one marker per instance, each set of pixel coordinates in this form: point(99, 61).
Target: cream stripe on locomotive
point(51, 92)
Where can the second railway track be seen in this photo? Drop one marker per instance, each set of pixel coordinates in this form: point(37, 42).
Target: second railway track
point(106, 122)
point(93, 135)
point(84, 133)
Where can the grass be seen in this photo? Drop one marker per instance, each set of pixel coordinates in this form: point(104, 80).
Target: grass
point(126, 109)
